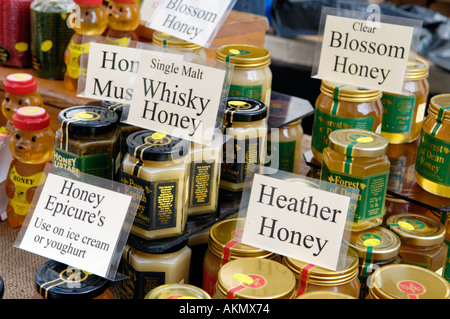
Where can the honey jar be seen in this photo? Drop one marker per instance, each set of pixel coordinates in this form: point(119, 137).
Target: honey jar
point(422, 240)
point(2, 287)
point(177, 291)
point(404, 113)
point(314, 278)
point(432, 168)
point(255, 278)
point(324, 294)
point(252, 77)
point(342, 106)
point(223, 246)
point(357, 159)
point(404, 281)
point(194, 51)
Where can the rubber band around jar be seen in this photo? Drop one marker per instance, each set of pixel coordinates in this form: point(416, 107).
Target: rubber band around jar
point(304, 276)
point(368, 262)
point(440, 116)
point(64, 142)
point(336, 103)
point(226, 251)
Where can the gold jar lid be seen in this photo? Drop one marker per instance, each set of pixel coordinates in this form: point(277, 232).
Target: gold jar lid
point(415, 229)
point(255, 278)
point(323, 276)
point(164, 39)
point(403, 281)
point(417, 70)
point(224, 237)
point(244, 55)
point(440, 107)
point(324, 294)
point(349, 93)
point(358, 143)
point(177, 291)
point(384, 243)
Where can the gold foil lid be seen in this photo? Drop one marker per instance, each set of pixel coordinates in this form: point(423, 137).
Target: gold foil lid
point(440, 107)
point(323, 276)
point(243, 55)
point(417, 70)
point(350, 93)
point(224, 238)
point(255, 278)
point(380, 242)
point(177, 291)
point(358, 143)
point(166, 40)
point(324, 294)
point(415, 229)
point(403, 281)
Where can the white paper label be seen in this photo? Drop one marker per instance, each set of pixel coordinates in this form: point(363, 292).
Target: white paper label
point(77, 224)
point(358, 53)
point(296, 221)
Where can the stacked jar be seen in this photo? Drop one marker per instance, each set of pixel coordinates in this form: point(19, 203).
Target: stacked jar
point(193, 52)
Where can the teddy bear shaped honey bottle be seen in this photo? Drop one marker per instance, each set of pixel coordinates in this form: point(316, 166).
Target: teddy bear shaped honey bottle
point(20, 90)
point(31, 144)
point(123, 20)
point(89, 18)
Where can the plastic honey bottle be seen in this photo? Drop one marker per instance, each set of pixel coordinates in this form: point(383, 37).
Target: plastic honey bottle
point(123, 20)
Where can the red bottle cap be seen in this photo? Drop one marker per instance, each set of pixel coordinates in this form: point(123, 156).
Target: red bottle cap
point(89, 2)
point(20, 83)
point(31, 118)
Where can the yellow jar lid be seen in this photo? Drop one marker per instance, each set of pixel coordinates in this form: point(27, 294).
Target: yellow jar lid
point(323, 276)
point(255, 278)
point(324, 294)
point(403, 281)
point(358, 143)
point(349, 93)
point(415, 229)
point(440, 107)
point(177, 291)
point(166, 40)
point(384, 243)
point(417, 69)
point(244, 55)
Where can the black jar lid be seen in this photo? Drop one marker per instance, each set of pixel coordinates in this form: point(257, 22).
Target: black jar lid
point(117, 107)
point(239, 109)
point(55, 280)
point(86, 120)
point(150, 145)
point(2, 287)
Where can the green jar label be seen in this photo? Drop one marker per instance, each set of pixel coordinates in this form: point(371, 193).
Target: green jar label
point(433, 159)
point(253, 92)
point(447, 263)
point(325, 123)
point(286, 154)
point(201, 175)
point(372, 191)
point(398, 113)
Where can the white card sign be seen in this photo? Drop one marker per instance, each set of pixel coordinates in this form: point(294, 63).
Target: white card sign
point(368, 55)
point(195, 21)
point(297, 221)
point(76, 223)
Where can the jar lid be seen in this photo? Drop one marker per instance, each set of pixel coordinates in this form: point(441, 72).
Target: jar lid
point(415, 229)
point(350, 93)
point(255, 278)
point(31, 118)
point(440, 107)
point(164, 39)
point(403, 281)
point(150, 145)
point(323, 276)
point(417, 69)
point(244, 55)
point(2, 287)
point(177, 291)
point(358, 143)
point(224, 241)
point(89, 2)
point(116, 107)
point(20, 83)
point(384, 243)
point(82, 121)
point(55, 280)
point(324, 294)
point(244, 110)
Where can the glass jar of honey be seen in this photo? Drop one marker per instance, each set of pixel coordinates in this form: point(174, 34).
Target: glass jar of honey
point(252, 77)
point(376, 247)
point(245, 123)
point(223, 246)
point(194, 51)
point(177, 291)
point(55, 280)
point(447, 241)
point(324, 294)
point(422, 240)
point(404, 113)
point(432, 169)
point(255, 278)
point(357, 159)
point(314, 278)
point(342, 106)
point(2, 287)
point(158, 164)
point(407, 282)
